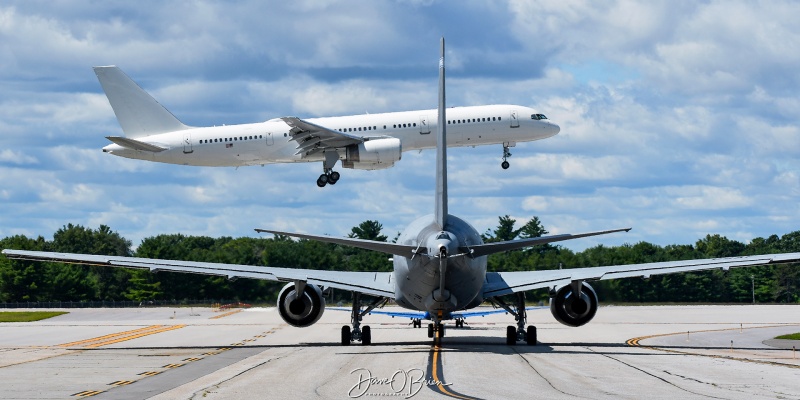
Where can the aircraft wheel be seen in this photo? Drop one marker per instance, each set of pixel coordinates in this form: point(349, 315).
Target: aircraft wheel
point(440, 332)
point(505, 165)
point(430, 330)
point(530, 337)
point(366, 336)
point(345, 335)
point(322, 180)
point(334, 176)
point(511, 335)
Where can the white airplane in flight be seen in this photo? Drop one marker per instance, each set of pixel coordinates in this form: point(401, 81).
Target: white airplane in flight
point(370, 141)
point(439, 271)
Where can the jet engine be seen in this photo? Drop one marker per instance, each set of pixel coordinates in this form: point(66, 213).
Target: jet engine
point(373, 154)
point(304, 310)
point(574, 310)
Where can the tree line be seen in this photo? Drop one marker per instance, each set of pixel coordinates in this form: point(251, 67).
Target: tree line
point(27, 281)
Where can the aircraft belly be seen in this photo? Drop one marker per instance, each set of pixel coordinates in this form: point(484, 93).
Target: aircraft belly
point(416, 283)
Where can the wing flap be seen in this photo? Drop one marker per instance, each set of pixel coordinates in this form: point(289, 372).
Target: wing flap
point(312, 138)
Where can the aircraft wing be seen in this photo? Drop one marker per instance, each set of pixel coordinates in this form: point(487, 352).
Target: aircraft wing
point(502, 283)
point(312, 138)
point(372, 283)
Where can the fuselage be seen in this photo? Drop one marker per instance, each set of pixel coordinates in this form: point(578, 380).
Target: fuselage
point(417, 278)
point(270, 142)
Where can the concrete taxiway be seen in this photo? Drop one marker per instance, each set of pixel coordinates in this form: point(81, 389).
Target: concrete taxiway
point(183, 353)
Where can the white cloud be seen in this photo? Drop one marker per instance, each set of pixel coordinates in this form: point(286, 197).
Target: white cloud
point(679, 119)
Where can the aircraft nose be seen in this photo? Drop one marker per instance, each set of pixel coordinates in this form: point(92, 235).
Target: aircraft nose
point(554, 129)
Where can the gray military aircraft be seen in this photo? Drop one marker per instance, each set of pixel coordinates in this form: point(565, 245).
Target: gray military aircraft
point(439, 271)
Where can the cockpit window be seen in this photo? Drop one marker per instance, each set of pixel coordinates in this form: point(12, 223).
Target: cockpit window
point(442, 235)
point(538, 116)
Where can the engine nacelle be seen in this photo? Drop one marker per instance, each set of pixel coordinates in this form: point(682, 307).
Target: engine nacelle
point(574, 310)
point(373, 154)
point(304, 310)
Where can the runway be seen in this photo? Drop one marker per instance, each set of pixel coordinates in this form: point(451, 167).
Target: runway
point(654, 352)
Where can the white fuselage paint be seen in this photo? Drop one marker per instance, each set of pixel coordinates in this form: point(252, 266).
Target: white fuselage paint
point(270, 142)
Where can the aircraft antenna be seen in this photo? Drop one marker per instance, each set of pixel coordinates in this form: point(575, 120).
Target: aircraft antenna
point(441, 150)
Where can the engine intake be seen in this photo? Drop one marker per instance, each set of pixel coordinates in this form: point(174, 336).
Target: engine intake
point(373, 154)
point(574, 310)
point(304, 310)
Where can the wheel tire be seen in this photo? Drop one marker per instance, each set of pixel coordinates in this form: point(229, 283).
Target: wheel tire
point(345, 335)
point(511, 335)
point(321, 182)
point(430, 330)
point(332, 181)
point(440, 332)
point(366, 336)
point(505, 165)
point(530, 337)
point(335, 176)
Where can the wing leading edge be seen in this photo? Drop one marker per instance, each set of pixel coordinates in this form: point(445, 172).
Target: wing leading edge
point(503, 283)
point(370, 283)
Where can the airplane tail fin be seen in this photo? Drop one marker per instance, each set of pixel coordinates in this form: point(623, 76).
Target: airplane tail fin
point(138, 113)
point(440, 214)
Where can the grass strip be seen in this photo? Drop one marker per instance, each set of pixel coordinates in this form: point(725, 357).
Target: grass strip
point(28, 316)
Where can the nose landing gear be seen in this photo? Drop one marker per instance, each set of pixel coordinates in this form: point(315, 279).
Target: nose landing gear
point(506, 154)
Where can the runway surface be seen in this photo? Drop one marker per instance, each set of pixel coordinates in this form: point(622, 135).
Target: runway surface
point(653, 352)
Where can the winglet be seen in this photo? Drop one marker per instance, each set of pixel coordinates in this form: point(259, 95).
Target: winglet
point(441, 151)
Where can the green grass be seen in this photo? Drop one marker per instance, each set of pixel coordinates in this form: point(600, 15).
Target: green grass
point(28, 316)
point(793, 336)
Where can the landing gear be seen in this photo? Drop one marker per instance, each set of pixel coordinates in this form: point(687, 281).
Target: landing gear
point(329, 176)
point(518, 333)
point(506, 154)
point(417, 323)
point(436, 331)
point(459, 322)
point(364, 335)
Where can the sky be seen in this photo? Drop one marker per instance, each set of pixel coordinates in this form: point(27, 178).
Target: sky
point(678, 118)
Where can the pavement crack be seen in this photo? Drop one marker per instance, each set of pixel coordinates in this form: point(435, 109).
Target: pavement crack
point(204, 391)
point(653, 375)
point(542, 376)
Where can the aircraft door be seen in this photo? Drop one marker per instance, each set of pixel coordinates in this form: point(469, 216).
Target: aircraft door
point(270, 140)
point(187, 142)
point(424, 127)
point(514, 119)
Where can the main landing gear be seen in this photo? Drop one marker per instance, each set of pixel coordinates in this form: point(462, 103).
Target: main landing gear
point(358, 333)
point(329, 177)
point(506, 154)
point(518, 333)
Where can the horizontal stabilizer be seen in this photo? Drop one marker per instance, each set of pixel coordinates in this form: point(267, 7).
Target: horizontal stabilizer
point(135, 144)
point(384, 247)
point(497, 247)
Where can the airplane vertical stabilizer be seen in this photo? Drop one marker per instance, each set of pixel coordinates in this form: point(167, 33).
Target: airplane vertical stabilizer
point(138, 113)
point(441, 151)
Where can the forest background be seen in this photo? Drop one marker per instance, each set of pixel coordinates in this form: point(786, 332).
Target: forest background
point(27, 281)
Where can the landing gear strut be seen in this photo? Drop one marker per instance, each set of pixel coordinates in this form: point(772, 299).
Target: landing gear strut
point(506, 154)
point(362, 334)
point(518, 333)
